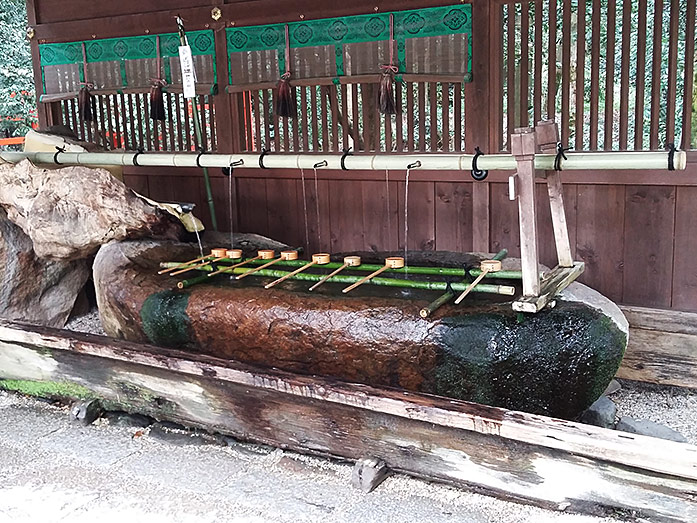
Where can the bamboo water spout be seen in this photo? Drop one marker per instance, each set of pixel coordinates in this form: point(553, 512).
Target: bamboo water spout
point(349, 261)
point(317, 259)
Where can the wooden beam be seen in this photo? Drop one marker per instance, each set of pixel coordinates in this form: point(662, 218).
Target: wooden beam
point(523, 147)
point(545, 461)
point(555, 282)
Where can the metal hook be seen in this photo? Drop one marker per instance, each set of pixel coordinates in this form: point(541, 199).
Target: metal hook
point(227, 171)
point(55, 156)
point(477, 173)
point(264, 152)
point(135, 156)
point(414, 165)
point(323, 163)
point(198, 158)
point(347, 152)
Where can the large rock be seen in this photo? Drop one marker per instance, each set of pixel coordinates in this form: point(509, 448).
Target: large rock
point(557, 362)
point(69, 212)
point(32, 289)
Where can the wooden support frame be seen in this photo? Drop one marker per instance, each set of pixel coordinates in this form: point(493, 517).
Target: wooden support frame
point(545, 461)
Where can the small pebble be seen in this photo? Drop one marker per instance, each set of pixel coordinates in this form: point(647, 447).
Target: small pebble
point(613, 387)
point(85, 411)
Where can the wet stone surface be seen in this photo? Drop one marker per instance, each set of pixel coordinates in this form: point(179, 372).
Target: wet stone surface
point(556, 363)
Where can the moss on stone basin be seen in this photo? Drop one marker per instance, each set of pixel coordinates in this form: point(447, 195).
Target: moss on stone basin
point(556, 362)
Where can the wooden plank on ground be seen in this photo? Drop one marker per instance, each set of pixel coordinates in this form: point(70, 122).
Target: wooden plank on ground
point(514, 455)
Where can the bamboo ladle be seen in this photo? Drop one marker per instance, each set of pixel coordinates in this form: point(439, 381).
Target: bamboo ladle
point(265, 254)
point(394, 262)
point(216, 254)
point(285, 256)
point(186, 263)
point(486, 266)
point(317, 259)
point(349, 261)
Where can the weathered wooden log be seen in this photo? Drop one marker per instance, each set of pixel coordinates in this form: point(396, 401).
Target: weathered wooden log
point(555, 363)
point(514, 455)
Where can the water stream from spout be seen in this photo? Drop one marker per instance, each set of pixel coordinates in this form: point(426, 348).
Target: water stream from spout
point(307, 230)
point(229, 195)
point(406, 217)
point(198, 239)
point(319, 231)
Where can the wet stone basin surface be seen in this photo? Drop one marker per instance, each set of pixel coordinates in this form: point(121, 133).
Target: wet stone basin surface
point(556, 362)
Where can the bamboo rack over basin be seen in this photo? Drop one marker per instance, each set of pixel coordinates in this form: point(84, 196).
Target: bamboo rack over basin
point(450, 162)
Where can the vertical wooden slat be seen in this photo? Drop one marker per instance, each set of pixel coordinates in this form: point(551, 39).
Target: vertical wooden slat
point(537, 78)
point(524, 63)
point(640, 76)
point(118, 121)
point(672, 70)
point(303, 119)
point(109, 115)
point(552, 62)
point(356, 117)
point(366, 103)
point(687, 115)
point(313, 118)
point(333, 100)
point(492, 67)
point(124, 121)
point(344, 117)
point(323, 107)
point(684, 274)
point(257, 119)
point(75, 121)
point(510, 74)
point(410, 116)
point(565, 70)
point(445, 115)
point(609, 74)
point(266, 121)
point(286, 137)
point(212, 119)
point(656, 73)
point(276, 126)
point(201, 100)
point(180, 131)
point(624, 74)
point(457, 117)
point(295, 124)
point(133, 118)
point(422, 115)
point(580, 73)
point(453, 207)
point(66, 113)
point(595, 75)
point(139, 118)
point(399, 131)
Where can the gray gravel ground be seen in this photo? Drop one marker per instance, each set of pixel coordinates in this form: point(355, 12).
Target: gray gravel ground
point(53, 469)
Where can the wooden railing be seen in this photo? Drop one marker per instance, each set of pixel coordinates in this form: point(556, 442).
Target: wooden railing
point(616, 74)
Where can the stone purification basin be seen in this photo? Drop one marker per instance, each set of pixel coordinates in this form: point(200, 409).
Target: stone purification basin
point(556, 362)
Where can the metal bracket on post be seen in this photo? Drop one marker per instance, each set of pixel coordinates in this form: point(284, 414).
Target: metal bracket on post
point(523, 147)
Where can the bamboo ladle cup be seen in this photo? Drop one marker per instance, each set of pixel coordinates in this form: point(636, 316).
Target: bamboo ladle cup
point(285, 256)
point(261, 255)
point(217, 255)
point(394, 262)
point(349, 261)
point(317, 259)
point(486, 266)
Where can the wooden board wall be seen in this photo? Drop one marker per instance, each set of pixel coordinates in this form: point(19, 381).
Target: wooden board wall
point(633, 229)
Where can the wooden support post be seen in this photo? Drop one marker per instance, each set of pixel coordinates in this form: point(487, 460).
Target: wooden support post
point(523, 147)
point(547, 137)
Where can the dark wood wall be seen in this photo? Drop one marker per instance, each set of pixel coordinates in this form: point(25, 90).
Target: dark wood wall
point(634, 229)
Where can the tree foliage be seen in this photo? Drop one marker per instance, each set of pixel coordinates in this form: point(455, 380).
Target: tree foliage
point(17, 94)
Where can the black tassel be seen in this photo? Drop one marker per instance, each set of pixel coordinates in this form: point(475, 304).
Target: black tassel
point(386, 93)
point(157, 104)
point(285, 99)
point(84, 102)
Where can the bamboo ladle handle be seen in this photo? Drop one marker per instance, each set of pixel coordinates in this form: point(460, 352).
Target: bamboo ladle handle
point(390, 263)
point(486, 266)
point(216, 255)
point(349, 261)
point(285, 255)
point(263, 254)
point(184, 264)
point(317, 259)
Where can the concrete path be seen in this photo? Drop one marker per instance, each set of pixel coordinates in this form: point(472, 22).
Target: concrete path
point(53, 469)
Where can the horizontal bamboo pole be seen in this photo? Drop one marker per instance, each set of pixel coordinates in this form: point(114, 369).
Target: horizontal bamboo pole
point(385, 282)
point(657, 160)
point(368, 267)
